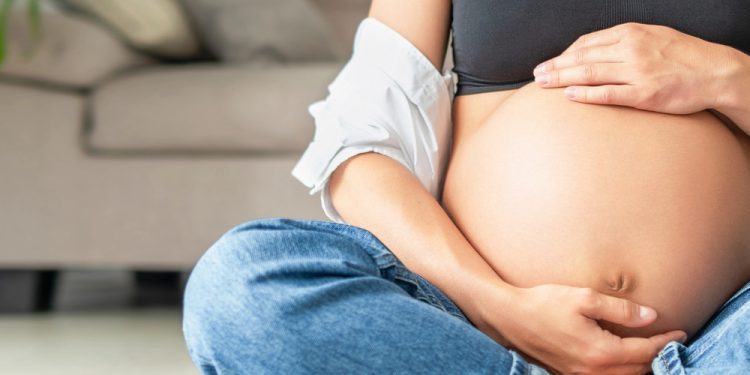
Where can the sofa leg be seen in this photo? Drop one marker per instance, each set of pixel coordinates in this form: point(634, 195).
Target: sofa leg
point(25, 291)
point(158, 288)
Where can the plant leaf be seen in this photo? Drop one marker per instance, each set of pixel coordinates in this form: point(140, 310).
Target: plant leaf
point(35, 19)
point(5, 8)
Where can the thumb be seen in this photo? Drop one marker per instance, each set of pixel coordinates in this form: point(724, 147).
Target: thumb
point(618, 311)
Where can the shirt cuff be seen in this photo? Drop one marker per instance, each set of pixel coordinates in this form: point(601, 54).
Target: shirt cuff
point(384, 67)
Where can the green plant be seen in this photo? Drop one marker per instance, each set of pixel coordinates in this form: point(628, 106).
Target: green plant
point(33, 12)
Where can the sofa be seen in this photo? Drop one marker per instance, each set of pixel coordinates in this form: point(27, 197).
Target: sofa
point(111, 157)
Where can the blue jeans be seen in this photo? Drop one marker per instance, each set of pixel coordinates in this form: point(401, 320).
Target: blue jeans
point(284, 296)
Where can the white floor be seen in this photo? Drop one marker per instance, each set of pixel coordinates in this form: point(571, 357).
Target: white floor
point(115, 342)
point(94, 329)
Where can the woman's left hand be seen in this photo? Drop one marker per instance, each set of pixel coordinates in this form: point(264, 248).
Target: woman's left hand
point(648, 67)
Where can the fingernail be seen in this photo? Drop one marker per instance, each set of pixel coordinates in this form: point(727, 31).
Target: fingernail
point(543, 79)
point(647, 313)
point(682, 339)
point(570, 92)
point(541, 68)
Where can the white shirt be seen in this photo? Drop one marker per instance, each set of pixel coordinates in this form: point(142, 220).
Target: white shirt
point(388, 99)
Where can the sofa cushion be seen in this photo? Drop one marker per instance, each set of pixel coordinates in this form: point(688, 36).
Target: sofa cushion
point(206, 108)
point(61, 207)
point(72, 52)
point(263, 30)
point(159, 27)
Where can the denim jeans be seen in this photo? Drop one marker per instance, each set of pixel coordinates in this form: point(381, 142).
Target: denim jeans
point(283, 296)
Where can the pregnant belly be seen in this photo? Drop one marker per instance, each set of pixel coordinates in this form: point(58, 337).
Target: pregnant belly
point(650, 207)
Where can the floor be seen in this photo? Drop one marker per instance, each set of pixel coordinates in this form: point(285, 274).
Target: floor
point(94, 329)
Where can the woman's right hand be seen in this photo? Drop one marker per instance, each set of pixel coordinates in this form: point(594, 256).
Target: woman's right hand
point(557, 326)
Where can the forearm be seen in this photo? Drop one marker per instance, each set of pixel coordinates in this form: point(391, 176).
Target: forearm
point(552, 324)
point(733, 99)
point(377, 193)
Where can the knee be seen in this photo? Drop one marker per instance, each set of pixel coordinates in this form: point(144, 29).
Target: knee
point(229, 267)
point(239, 253)
point(222, 289)
point(223, 277)
point(273, 248)
point(242, 283)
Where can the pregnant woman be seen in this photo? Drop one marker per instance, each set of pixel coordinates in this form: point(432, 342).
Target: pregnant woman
point(582, 205)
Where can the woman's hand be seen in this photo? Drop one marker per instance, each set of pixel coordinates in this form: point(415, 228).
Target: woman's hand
point(557, 325)
point(648, 67)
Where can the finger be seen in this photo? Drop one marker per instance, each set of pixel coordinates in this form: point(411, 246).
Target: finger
point(585, 55)
point(599, 306)
point(644, 350)
point(589, 74)
point(629, 354)
point(603, 37)
point(626, 95)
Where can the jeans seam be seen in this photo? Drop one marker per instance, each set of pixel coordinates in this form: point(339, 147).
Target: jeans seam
point(383, 261)
point(438, 302)
point(421, 295)
point(669, 359)
point(380, 254)
point(665, 364)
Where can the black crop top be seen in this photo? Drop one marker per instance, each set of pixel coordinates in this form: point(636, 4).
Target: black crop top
point(497, 44)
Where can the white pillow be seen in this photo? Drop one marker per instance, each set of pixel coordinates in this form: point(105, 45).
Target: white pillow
point(160, 27)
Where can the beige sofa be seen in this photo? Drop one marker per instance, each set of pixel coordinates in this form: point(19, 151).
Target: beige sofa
point(110, 159)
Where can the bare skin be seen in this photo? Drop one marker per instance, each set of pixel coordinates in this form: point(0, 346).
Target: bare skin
point(555, 324)
point(616, 199)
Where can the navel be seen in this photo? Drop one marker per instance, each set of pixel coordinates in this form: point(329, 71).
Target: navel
point(619, 283)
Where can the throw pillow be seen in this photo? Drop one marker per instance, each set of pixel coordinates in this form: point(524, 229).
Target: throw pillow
point(159, 27)
point(262, 30)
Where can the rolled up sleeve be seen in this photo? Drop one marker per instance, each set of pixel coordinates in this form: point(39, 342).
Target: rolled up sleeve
point(388, 99)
